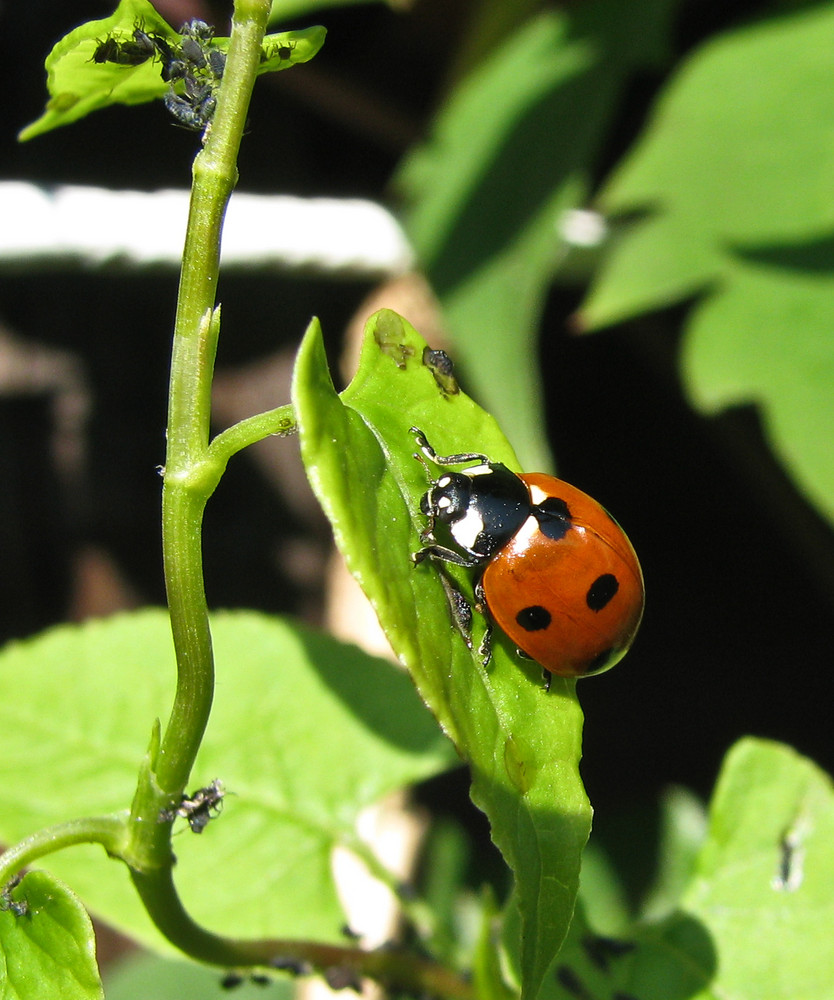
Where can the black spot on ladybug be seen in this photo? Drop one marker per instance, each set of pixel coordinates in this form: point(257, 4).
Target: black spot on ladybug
point(554, 518)
point(533, 619)
point(601, 591)
point(554, 507)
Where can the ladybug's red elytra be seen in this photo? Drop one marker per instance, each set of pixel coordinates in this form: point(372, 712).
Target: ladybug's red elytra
point(559, 575)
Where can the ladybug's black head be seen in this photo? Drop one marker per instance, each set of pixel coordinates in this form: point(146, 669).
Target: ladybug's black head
point(448, 499)
point(484, 507)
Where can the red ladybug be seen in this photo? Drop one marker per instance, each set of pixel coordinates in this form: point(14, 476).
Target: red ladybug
point(559, 577)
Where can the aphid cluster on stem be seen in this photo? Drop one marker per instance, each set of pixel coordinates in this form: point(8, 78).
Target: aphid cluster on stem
point(193, 68)
point(200, 68)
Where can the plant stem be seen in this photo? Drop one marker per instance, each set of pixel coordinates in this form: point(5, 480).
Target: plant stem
point(192, 469)
point(190, 475)
point(279, 422)
point(401, 970)
point(109, 831)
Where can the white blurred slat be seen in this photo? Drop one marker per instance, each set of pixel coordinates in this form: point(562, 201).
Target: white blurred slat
point(71, 225)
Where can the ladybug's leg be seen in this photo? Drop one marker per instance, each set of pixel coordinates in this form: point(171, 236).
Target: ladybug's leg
point(547, 676)
point(485, 647)
point(460, 608)
point(427, 534)
point(480, 599)
point(429, 452)
point(442, 554)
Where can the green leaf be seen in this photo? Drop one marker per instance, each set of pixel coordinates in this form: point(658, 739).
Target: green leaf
point(762, 887)
point(287, 698)
point(522, 743)
point(289, 48)
point(712, 173)
point(646, 863)
point(285, 10)
point(512, 149)
point(77, 85)
point(602, 892)
point(487, 973)
point(735, 203)
point(672, 960)
point(737, 349)
point(48, 949)
point(754, 922)
point(682, 831)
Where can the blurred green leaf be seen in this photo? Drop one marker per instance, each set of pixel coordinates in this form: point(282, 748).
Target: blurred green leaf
point(522, 743)
point(671, 960)
point(754, 922)
point(511, 150)
point(734, 154)
point(732, 178)
point(487, 972)
point(285, 10)
point(683, 824)
point(766, 338)
point(641, 864)
point(456, 915)
point(762, 886)
point(77, 85)
point(287, 698)
point(602, 894)
point(48, 949)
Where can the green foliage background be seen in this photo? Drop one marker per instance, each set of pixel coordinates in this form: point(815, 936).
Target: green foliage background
point(716, 217)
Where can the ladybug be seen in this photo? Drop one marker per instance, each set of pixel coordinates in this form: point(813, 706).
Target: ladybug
point(559, 575)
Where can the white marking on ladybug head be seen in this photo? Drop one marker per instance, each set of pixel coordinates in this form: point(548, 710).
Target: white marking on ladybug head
point(443, 482)
point(466, 530)
point(479, 470)
point(443, 503)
